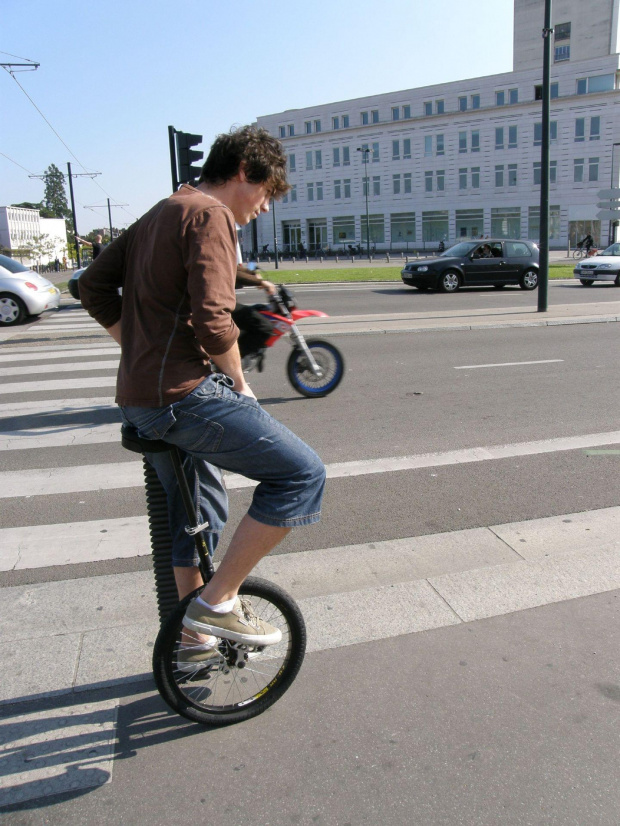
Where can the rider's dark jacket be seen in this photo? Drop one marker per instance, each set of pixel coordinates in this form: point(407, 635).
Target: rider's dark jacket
point(176, 266)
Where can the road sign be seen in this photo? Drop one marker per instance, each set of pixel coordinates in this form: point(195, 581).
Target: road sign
point(608, 194)
point(608, 215)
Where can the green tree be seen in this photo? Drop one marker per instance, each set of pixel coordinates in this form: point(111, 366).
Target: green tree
point(40, 247)
point(55, 198)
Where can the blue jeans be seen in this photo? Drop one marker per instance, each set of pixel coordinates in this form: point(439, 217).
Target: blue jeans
point(217, 429)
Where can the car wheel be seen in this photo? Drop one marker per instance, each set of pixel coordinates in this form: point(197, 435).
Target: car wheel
point(12, 310)
point(74, 288)
point(617, 281)
point(449, 282)
point(529, 280)
point(587, 282)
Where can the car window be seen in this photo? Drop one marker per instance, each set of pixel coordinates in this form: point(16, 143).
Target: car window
point(459, 250)
point(515, 249)
point(11, 265)
point(613, 250)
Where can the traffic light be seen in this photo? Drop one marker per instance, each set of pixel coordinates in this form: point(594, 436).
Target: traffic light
point(186, 156)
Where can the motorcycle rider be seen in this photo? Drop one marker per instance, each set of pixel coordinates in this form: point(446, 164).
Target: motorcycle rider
point(254, 328)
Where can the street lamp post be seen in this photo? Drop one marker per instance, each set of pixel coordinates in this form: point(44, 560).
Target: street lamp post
point(612, 185)
point(275, 237)
point(543, 278)
point(365, 152)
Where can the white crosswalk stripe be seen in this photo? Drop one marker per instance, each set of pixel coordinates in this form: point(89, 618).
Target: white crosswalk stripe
point(72, 367)
point(58, 353)
point(57, 384)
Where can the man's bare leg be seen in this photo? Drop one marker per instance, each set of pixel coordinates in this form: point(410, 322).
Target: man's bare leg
point(187, 580)
point(250, 543)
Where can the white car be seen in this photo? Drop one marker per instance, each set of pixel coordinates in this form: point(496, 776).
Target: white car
point(605, 266)
point(23, 292)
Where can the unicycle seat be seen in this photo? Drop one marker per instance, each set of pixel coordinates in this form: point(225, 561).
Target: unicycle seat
point(131, 441)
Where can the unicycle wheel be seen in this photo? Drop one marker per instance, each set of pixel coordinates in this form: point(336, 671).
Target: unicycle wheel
point(238, 682)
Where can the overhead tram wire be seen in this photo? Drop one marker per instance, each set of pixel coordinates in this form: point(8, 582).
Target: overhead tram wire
point(73, 155)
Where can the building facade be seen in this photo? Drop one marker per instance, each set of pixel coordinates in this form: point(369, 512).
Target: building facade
point(22, 228)
point(461, 159)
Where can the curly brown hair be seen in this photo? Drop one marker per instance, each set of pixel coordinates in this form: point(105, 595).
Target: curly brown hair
point(262, 156)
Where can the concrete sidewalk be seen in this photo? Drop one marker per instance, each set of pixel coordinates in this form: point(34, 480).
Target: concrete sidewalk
point(90, 633)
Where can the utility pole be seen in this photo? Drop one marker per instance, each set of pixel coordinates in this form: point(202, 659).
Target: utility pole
point(543, 272)
point(365, 152)
point(275, 237)
point(102, 206)
point(71, 177)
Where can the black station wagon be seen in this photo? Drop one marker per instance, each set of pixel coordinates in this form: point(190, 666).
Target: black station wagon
point(489, 262)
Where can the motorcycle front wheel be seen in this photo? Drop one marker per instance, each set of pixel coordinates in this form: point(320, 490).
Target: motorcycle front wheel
point(300, 373)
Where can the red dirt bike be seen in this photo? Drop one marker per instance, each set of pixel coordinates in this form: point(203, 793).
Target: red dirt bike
point(315, 367)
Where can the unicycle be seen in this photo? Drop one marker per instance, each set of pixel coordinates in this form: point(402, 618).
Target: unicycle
point(239, 681)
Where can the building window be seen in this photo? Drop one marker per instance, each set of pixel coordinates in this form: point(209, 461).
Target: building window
point(282, 131)
point(347, 187)
point(500, 98)
point(554, 91)
point(512, 137)
point(463, 178)
point(291, 130)
point(462, 142)
point(499, 137)
point(407, 183)
point(346, 156)
point(439, 145)
point(597, 83)
point(580, 129)
point(553, 132)
point(595, 128)
point(336, 156)
point(506, 222)
point(345, 121)
point(343, 229)
point(593, 169)
point(439, 107)
point(395, 112)
point(561, 31)
point(499, 175)
point(428, 181)
point(553, 173)
point(582, 86)
point(428, 145)
point(475, 177)
point(441, 180)
point(463, 104)
point(376, 185)
point(308, 127)
point(375, 153)
point(318, 159)
point(310, 192)
point(578, 164)
point(374, 116)
point(364, 118)
point(402, 228)
point(317, 125)
point(407, 149)
point(406, 111)
point(308, 160)
point(475, 101)
point(291, 163)
point(336, 122)
point(395, 150)
point(396, 184)
point(319, 191)
point(376, 227)
point(293, 193)
point(475, 141)
point(428, 108)
point(513, 95)
point(512, 174)
point(561, 53)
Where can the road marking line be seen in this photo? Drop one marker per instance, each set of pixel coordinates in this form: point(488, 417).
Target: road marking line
point(72, 367)
point(56, 406)
point(58, 353)
point(9, 351)
point(57, 384)
point(26, 483)
point(508, 364)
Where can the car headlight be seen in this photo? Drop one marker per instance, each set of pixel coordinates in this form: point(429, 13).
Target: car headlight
point(422, 269)
point(604, 266)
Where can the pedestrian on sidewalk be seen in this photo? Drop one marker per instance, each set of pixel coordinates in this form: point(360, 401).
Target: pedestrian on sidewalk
point(176, 266)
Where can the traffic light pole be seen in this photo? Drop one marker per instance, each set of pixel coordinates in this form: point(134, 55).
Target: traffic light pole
point(75, 232)
point(173, 157)
point(543, 274)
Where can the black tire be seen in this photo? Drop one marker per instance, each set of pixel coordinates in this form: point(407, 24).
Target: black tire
point(12, 310)
point(579, 253)
point(586, 282)
point(449, 281)
point(229, 693)
point(617, 281)
point(73, 286)
point(529, 280)
point(330, 360)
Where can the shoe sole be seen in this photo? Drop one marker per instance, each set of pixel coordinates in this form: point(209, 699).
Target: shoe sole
point(225, 634)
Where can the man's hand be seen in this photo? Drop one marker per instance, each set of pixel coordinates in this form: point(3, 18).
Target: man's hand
point(244, 390)
point(269, 288)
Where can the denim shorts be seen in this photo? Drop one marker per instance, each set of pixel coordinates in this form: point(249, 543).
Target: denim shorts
point(217, 429)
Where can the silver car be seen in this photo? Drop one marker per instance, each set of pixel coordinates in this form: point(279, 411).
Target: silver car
point(604, 266)
point(23, 292)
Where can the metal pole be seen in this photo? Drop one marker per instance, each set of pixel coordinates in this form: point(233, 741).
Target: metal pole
point(75, 232)
point(612, 224)
point(275, 237)
point(173, 157)
point(543, 276)
point(110, 220)
point(367, 216)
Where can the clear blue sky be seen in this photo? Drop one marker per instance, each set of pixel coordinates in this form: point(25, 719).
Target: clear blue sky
point(114, 75)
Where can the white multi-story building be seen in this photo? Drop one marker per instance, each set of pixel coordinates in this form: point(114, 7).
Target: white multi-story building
point(21, 228)
point(462, 159)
